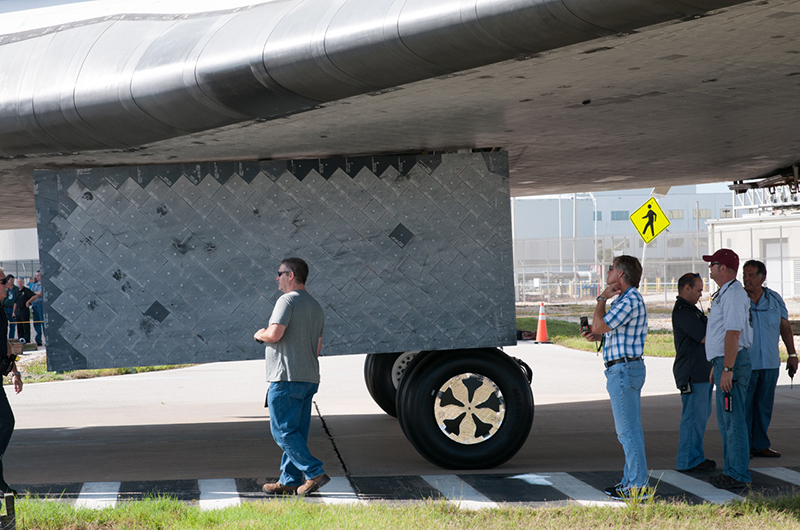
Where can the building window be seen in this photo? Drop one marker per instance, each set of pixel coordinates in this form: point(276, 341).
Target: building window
point(620, 215)
point(705, 213)
point(675, 242)
point(726, 213)
point(597, 216)
point(674, 214)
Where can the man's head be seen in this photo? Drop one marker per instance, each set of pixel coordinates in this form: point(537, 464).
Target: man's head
point(38, 276)
point(722, 265)
point(754, 273)
point(21, 282)
point(626, 271)
point(293, 272)
point(690, 287)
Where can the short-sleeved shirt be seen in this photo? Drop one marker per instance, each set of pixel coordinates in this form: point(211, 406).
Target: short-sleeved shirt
point(23, 296)
point(730, 311)
point(11, 296)
point(36, 287)
point(766, 315)
point(294, 357)
point(689, 329)
point(627, 318)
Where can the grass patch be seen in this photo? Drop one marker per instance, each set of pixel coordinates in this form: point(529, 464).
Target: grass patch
point(168, 514)
point(659, 343)
point(36, 371)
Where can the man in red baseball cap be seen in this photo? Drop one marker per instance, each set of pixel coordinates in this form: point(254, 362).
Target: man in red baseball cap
point(728, 337)
point(724, 256)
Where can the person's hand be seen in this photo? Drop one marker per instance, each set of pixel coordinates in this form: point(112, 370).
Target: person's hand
point(611, 291)
point(791, 366)
point(726, 381)
point(17, 384)
point(711, 377)
point(589, 336)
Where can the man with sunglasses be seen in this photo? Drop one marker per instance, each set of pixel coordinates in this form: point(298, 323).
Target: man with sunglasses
point(624, 330)
point(692, 373)
point(6, 414)
point(728, 336)
point(770, 322)
point(294, 340)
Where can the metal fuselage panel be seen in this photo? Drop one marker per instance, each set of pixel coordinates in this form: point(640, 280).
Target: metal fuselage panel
point(130, 80)
point(176, 264)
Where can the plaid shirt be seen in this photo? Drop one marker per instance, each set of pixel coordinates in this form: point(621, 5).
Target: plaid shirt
point(627, 318)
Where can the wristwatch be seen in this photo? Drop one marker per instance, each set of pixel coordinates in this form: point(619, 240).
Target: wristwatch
point(727, 369)
point(603, 298)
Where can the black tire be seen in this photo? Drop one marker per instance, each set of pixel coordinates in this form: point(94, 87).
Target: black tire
point(381, 380)
point(378, 376)
point(460, 385)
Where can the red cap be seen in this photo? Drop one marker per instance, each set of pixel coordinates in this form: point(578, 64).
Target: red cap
point(725, 256)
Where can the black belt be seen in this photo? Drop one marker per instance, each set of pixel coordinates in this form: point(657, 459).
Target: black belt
point(609, 364)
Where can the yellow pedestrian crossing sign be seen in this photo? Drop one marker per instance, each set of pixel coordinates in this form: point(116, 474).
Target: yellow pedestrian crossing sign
point(649, 220)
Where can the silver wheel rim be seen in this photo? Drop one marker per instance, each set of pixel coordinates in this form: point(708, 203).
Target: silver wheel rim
point(469, 408)
point(400, 365)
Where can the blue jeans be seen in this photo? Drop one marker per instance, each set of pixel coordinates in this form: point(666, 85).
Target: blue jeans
point(732, 425)
point(289, 420)
point(624, 383)
point(758, 406)
point(11, 327)
point(694, 417)
point(38, 322)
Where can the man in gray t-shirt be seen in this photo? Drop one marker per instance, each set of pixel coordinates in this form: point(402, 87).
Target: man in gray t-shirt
point(294, 340)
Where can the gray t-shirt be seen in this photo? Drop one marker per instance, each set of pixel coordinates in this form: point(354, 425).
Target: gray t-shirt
point(294, 357)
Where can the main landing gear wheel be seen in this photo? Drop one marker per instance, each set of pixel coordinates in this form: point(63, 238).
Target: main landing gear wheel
point(383, 373)
point(466, 409)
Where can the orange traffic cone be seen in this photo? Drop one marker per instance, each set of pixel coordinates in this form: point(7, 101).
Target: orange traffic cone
point(541, 329)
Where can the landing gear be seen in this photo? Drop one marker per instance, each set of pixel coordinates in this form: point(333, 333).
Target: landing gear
point(383, 373)
point(464, 409)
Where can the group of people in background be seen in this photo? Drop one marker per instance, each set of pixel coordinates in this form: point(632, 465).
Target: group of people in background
point(734, 347)
point(22, 304)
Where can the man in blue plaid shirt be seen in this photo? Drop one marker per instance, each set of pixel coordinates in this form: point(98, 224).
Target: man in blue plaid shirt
point(623, 330)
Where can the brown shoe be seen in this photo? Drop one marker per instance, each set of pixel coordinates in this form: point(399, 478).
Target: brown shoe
point(313, 484)
point(276, 488)
point(766, 453)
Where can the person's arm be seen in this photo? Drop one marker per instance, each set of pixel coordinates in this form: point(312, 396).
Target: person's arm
point(319, 346)
point(788, 341)
point(272, 334)
point(16, 377)
point(731, 351)
point(31, 299)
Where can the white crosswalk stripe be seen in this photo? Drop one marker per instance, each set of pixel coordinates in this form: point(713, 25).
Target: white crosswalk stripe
point(780, 473)
point(339, 491)
point(218, 493)
point(698, 487)
point(98, 495)
point(579, 491)
point(459, 492)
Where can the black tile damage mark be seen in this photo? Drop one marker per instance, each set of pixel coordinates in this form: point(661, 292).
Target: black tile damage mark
point(157, 312)
point(401, 235)
point(600, 49)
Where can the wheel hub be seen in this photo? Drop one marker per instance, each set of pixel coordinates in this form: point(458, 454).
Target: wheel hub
point(469, 408)
point(400, 365)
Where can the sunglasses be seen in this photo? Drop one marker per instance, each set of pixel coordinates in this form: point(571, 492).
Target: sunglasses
point(283, 272)
point(714, 263)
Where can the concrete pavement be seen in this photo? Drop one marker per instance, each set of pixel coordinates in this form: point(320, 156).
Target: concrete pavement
point(208, 422)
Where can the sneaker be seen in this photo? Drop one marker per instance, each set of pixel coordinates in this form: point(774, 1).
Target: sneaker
point(702, 467)
point(620, 493)
point(726, 482)
point(276, 488)
point(766, 453)
point(313, 484)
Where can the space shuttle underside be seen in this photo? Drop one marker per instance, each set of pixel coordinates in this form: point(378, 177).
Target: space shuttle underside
point(176, 264)
point(124, 81)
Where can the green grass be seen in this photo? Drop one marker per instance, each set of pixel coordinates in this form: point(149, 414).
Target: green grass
point(36, 372)
point(659, 342)
point(169, 514)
